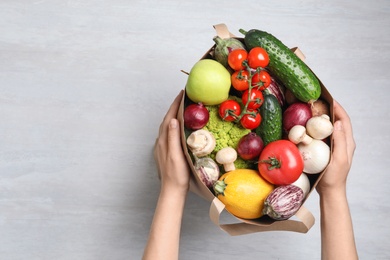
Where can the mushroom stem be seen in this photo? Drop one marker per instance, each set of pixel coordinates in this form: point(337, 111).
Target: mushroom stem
point(227, 156)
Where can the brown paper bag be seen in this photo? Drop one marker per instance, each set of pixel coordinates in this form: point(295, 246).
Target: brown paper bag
point(303, 219)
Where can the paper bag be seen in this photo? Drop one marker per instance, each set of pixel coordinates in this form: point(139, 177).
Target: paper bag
point(303, 219)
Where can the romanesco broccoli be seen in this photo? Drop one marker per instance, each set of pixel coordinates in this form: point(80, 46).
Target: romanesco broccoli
point(226, 134)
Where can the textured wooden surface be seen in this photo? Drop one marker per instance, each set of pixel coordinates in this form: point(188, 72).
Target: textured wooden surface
point(84, 86)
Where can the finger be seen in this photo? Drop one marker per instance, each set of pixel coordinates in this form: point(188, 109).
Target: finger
point(341, 114)
point(339, 142)
point(174, 141)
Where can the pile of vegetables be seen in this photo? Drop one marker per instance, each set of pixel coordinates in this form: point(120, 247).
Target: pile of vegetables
point(256, 125)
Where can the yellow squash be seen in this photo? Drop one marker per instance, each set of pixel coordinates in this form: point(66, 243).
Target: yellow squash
point(243, 192)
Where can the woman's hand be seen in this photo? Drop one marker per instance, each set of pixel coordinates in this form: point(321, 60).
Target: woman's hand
point(337, 236)
point(335, 176)
point(172, 166)
point(173, 170)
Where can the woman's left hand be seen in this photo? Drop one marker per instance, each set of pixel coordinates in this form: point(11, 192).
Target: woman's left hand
point(171, 162)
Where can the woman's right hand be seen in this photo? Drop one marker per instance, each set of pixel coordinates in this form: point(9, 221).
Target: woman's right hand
point(336, 173)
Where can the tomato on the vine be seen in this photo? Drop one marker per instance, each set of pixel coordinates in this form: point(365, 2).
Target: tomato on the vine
point(256, 98)
point(261, 79)
point(251, 120)
point(240, 80)
point(229, 110)
point(280, 162)
point(258, 57)
point(236, 57)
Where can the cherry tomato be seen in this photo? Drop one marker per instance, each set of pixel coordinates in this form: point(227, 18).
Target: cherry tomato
point(256, 99)
point(251, 121)
point(236, 57)
point(261, 79)
point(229, 110)
point(280, 162)
point(240, 80)
point(258, 57)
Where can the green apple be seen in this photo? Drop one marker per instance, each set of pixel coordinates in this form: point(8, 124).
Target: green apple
point(208, 82)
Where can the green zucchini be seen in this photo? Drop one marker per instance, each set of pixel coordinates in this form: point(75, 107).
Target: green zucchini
point(270, 128)
point(285, 65)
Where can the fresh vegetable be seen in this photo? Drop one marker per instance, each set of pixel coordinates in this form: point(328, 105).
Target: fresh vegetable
point(201, 142)
point(303, 183)
point(207, 170)
point(277, 89)
point(208, 82)
point(229, 110)
point(290, 98)
point(195, 116)
point(226, 156)
point(319, 127)
point(258, 57)
point(283, 202)
point(298, 134)
point(251, 119)
point(236, 58)
point(243, 192)
point(280, 162)
point(270, 128)
point(225, 133)
point(285, 65)
point(240, 80)
point(250, 146)
point(319, 108)
point(255, 98)
point(316, 156)
point(223, 47)
point(261, 79)
point(296, 114)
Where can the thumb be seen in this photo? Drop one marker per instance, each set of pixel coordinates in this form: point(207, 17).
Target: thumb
point(339, 141)
point(174, 144)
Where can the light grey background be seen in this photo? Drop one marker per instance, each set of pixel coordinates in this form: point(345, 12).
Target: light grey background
point(84, 86)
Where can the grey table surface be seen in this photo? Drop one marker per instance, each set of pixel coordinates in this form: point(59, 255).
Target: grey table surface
point(84, 86)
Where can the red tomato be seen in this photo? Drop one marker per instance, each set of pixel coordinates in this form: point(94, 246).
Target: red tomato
point(258, 57)
point(229, 110)
point(256, 99)
point(236, 57)
point(251, 121)
point(240, 80)
point(280, 162)
point(261, 79)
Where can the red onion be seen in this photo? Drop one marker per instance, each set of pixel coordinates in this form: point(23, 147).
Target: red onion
point(250, 146)
point(296, 114)
point(196, 116)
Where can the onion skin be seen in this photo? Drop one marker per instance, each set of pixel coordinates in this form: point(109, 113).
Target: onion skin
point(297, 113)
point(283, 202)
point(250, 146)
point(320, 107)
point(196, 116)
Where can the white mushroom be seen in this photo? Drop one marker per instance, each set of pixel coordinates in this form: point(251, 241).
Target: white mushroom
point(319, 127)
point(298, 135)
point(227, 156)
point(201, 142)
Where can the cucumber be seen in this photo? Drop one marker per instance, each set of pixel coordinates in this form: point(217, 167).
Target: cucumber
point(270, 128)
point(285, 65)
